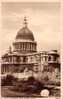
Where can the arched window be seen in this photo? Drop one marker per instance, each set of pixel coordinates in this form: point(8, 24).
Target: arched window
point(49, 58)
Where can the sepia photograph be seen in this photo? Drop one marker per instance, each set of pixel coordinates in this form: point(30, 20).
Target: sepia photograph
point(30, 49)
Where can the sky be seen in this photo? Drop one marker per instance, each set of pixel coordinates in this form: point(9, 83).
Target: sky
point(42, 18)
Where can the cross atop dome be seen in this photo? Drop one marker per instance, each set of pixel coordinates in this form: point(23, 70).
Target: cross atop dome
point(25, 21)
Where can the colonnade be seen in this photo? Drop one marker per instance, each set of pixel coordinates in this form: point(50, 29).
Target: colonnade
point(38, 57)
point(25, 46)
point(35, 58)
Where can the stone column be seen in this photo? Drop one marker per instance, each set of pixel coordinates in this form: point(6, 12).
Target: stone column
point(3, 68)
point(28, 46)
point(31, 46)
point(21, 58)
point(19, 46)
point(12, 59)
point(52, 58)
point(34, 47)
point(9, 59)
point(25, 46)
point(22, 46)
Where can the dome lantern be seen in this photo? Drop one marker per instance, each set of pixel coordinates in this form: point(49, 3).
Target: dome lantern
point(25, 22)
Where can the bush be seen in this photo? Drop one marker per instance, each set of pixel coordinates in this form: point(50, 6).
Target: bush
point(46, 78)
point(31, 80)
point(8, 80)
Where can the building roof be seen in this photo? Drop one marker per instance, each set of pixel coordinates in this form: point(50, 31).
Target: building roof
point(25, 33)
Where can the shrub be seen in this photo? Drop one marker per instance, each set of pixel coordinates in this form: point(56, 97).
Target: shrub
point(46, 78)
point(31, 78)
point(8, 80)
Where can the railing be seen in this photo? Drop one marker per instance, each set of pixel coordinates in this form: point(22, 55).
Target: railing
point(19, 62)
point(52, 61)
point(31, 62)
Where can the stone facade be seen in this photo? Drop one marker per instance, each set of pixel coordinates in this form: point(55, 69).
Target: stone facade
point(25, 56)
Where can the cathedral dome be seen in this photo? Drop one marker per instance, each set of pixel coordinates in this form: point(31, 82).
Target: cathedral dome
point(25, 33)
point(24, 42)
